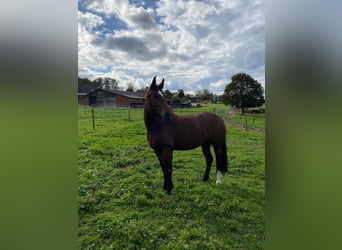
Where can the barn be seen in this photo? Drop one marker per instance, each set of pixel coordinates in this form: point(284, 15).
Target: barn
point(112, 98)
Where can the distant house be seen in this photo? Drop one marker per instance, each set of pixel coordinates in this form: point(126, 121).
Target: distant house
point(81, 95)
point(181, 105)
point(112, 98)
point(194, 99)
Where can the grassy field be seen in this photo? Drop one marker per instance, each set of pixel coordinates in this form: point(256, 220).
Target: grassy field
point(122, 204)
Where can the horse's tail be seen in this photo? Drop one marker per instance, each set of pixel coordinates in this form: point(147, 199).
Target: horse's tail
point(223, 167)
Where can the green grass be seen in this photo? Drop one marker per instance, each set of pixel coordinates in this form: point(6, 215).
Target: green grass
point(122, 204)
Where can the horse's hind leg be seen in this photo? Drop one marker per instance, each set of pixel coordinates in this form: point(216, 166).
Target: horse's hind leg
point(221, 166)
point(208, 159)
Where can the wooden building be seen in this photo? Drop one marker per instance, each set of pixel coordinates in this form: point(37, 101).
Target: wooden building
point(112, 98)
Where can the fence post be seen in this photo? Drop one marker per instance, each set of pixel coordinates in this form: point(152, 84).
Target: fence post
point(93, 118)
point(129, 113)
point(246, 122)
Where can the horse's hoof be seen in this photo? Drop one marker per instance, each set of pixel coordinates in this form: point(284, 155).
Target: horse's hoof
point(219, 177)
point(167, 190)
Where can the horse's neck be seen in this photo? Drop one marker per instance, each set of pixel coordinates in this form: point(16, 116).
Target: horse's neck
point(150, 120)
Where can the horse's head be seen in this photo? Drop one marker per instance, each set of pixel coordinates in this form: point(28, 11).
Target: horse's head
point(155, 101)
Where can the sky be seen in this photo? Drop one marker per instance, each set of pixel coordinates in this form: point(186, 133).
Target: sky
point(193, 45)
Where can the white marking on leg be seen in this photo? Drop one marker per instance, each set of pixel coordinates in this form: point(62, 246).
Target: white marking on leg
point(219, 177)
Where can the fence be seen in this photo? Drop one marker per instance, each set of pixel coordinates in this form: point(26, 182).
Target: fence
point(97, 116)
point(248, 121)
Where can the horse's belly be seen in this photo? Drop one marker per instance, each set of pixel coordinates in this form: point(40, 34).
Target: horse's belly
point(188, 139)
point(186, 147)
point(186, 143)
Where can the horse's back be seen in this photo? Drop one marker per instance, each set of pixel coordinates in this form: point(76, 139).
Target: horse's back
point(195, 130)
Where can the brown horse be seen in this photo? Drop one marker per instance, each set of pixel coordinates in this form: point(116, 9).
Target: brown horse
point(167, 131)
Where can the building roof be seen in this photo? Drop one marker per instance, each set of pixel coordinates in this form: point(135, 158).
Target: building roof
point(133, 95)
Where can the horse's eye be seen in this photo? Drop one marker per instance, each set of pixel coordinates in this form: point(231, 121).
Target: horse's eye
point(156, 96)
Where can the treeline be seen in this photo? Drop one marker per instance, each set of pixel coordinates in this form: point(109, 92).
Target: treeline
point(85, 86)
point(200, 96)
point(242, 92)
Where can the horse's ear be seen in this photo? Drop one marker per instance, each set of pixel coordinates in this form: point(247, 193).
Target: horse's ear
point(153, 84)
point(161, 85)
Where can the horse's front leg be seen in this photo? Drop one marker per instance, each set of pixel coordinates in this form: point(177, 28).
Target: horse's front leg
point(168, 164)
point(165, 159)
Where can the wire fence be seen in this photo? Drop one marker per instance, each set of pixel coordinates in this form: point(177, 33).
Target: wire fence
point(248, 121)
point(97, 116)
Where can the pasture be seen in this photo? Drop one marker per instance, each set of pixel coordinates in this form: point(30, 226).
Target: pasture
point(122, 204)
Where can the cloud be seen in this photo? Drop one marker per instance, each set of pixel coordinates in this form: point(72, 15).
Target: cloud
point(134, 17)
point(143, 49)
point(88, 21)
point(141, 18)
point(221, 83)
point(192, 44)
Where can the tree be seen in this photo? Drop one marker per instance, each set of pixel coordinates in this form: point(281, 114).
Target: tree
point(130, 87)
point(167, 94)
point(142, 90)
point(181, 96)
point(175, 99)
point(243, 91)
point(216, 98)
point(204, 94)
point(180, 93)
point(85, 85)
point(107, 83)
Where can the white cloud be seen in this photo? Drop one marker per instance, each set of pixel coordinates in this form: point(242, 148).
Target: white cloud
point(221, 83)
point(88, 21)
point(192, 44)
point(134, 17)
